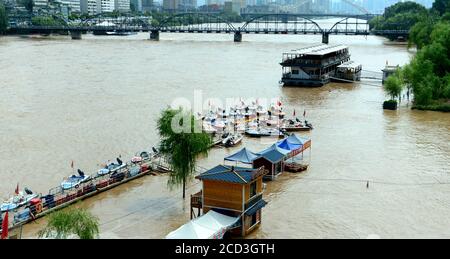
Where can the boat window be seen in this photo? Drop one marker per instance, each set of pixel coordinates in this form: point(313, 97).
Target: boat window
point(295, 71)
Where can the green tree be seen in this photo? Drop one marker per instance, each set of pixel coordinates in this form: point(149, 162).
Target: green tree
point(401, 16)
point(441, 6)
point(79, 222)
point(182, 142)
point(404, 7)
point(420, 33)
point(3, 19)
point(393, 86)
point(46, 21)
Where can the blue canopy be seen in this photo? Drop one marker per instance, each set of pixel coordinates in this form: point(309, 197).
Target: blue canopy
point(274, 154)
point(244, 156)
point(274, 147)
point(285, 144)
point(296, 140)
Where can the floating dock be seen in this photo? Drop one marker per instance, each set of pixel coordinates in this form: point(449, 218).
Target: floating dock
point(58, 198)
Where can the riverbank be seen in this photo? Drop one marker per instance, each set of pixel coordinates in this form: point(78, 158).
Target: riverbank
point(443, 106)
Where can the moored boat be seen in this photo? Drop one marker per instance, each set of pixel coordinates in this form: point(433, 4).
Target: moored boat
point(264, 133)
point(75, 180)
point(295, 167)
point(296, 125)
point(18, 200)
point(232, 140)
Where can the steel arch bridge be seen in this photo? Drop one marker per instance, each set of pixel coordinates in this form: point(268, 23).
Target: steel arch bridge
point(212, 23)
point(195, 22)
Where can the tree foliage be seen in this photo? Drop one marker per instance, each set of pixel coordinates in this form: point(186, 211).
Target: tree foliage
point(79, 222)
point(428, 72)
point(393, 86)
point(182, 148)
point(3, 19)
point(441, 6)
point(46, 21)
point(401, 16)
point(420, 33)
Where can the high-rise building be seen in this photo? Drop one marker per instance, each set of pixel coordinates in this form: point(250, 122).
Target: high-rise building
point(322, 6)
point(147, 5)
point(228, 7)
point(72, 5)
point(40, 4)
point(170, 5)
point(238, 5)
point(186, 5)
point(107, 6)
point(122, 5)
point(91, 7)
point(137, 5)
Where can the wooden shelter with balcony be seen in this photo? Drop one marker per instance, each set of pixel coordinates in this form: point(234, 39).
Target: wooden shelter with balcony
point(232, 191)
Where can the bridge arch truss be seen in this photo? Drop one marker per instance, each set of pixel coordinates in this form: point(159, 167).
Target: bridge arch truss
point(281, 23)
point(195, 22)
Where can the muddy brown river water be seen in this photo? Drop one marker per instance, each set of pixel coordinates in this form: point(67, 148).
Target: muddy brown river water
point(91, 100)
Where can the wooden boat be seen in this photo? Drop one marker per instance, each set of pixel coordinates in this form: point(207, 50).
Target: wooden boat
point(294, 167)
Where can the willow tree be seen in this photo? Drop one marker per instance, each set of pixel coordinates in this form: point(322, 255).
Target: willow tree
point(393, 86)
point(182, 142)
point(79, 222)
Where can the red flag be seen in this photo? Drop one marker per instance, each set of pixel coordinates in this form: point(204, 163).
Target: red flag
point(17, 189)
point(5, 226)
point(294, 113)
point(279, 103)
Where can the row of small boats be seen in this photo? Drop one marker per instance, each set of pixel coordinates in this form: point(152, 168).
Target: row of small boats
point(253, 120)
point(23, 198)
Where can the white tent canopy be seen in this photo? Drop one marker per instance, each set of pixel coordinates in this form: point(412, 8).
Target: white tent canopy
point(212, 225)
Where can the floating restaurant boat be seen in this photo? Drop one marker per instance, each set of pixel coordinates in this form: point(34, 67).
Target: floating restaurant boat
point(314, 65)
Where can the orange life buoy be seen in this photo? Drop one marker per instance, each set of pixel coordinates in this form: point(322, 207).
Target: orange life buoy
point(38, 207)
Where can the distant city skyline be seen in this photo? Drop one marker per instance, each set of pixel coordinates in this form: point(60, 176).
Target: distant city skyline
point(385, 3)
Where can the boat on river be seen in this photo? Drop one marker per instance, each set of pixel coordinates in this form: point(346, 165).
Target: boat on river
point(18, 200)
point(296, 125)
point(257, 133)
point(75, 180)
point(231, 140)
